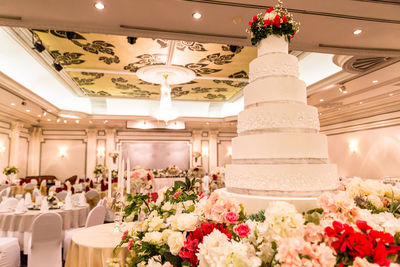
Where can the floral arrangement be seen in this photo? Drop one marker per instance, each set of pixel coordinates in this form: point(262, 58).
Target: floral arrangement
point(173, 170)
point(217, 179)
point(10, 170)
point(141, 178)
point(276, 21)
point(114, 156)
point(183, 228)
point(196, 172)
point(100, 170)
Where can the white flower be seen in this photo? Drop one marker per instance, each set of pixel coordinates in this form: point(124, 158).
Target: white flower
point(175, 242)
point(167, 206)
point(375, 200)
point(156, 262)
point(156, 224)
point(217, 250)
point(270, 15)
point(184, 221)
point(165, 234)
point(161, 193)
point(153, 238)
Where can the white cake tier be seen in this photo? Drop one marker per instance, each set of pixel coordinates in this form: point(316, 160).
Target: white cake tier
point(280, 146)
point(273, 65)
point(305, 180)
point(275, 88)
point(272, 44)
point(279, 117)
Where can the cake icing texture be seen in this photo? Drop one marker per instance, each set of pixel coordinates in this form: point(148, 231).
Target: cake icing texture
point(279, 151)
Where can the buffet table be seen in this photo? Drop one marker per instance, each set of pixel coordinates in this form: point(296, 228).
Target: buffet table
point(159, 183)
point(20, 224)
point(93, 246)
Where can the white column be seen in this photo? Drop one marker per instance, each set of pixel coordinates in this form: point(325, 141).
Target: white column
point(14, 143)
point(34, 151)
point(110, 147)
point(213, 149)
point(91, 152)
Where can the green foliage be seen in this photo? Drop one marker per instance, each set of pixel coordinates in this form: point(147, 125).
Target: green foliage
point(258, 217)
point(136, 204)
point(10, 170)
point(313, 216)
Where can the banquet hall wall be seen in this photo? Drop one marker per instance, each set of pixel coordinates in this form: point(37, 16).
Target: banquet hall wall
point(368, 154)
point(39, 151)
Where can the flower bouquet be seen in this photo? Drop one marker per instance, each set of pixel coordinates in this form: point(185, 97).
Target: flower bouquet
point(141, 178)
point(183, 228)
point(99, 170)
point(196, 172)
point(10, 172)
point(276, 21)
point(172, 170)
point(217, 179)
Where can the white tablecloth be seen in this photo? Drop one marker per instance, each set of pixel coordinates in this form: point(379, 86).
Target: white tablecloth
point(159, 183)
point(93, 246)
point(20, 225)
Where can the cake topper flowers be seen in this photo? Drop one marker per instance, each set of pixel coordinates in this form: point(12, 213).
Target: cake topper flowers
point(276, 21)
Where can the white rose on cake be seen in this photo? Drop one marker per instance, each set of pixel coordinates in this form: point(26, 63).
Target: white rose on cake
point(175, 242)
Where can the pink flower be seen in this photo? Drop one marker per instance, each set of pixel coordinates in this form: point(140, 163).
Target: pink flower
point(313, 233)
point(177, 194)
point(130, 244)
point(242, 230)
point(124, 235)
point(359, 262)
point(232, 217)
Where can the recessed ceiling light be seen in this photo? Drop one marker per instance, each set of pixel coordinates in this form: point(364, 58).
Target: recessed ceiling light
point(321, 100)
point(106, 121)
point(390, 94)
point(207, 123)
point(361, 102)
point(196, 15)
point(77, 121)
point(39, 115)
point(65, 121)
point(58, 120)
point(12, 104)
point(28, 110)
point(374, 81)
point(357, 32)
point(90, 122)
point(99, 5)
point(320, 113)
point(48, 119)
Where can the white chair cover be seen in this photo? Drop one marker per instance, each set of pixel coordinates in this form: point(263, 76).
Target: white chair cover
point(96, 216)
point(61, 195)
point(9, 252)
point(92, 194)
point(45, 248)
point(5, 193)
point(11, 203)
point(34, 181)
point(3, 186)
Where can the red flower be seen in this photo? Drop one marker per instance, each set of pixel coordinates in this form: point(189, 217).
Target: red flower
point(242, 230)
point(214, 177)
point(269, 10)
point(177, 194)
point(267, 22)
point(277, 21)
point(284, 19)
point(255, 19)
point(124, 235)
point(232, 217)
point(153, 196)
point(291, 36)
point(363, 226)
point(191, 245)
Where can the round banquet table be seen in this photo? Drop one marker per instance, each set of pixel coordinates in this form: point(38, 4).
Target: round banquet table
point(93, 246)
point(20, 224)
point(159, 183)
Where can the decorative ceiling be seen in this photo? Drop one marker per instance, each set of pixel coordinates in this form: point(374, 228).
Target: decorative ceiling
point(105, 65)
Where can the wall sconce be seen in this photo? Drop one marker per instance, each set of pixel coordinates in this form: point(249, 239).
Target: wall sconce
point(353, 146)
point(204, 151)
point(62, 151)
point(2, 148)
point(100, 152)
point(229, 153)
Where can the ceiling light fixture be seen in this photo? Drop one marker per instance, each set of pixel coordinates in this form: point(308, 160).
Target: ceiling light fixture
point(65, 121)
point(28, 110)
point(196, 15)
point(390, 94)
point(361, 102)
point(374, 81)
point(357, 32)
point(12, 104)
point(166, 112)
point(48, 119)
point(77, 121)
point(90, 122)
point(99, 5)
point(58, 120)
point(44, 113)
point(321, 100)
point(342, 89)
point(105, 121)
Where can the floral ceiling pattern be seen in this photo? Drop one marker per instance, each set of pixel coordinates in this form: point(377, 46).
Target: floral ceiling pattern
point(105, 65)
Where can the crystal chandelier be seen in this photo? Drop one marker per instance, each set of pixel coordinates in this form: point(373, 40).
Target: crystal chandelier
point(166, 112)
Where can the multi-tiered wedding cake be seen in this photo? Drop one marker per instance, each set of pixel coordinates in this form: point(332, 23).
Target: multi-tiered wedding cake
point(279, 152)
